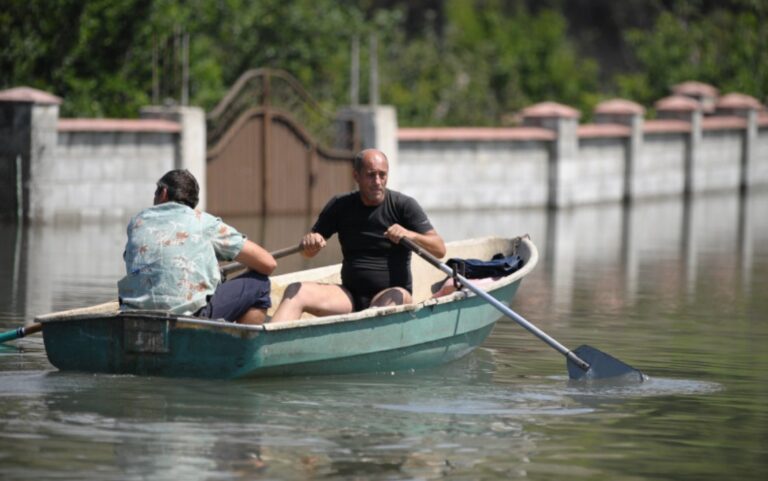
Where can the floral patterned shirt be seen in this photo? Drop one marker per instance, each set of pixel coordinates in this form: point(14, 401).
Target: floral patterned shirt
point(171, 258)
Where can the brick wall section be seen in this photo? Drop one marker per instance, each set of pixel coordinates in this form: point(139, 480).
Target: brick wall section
point(108, 168)
point(758, 170)
point(459, 171)
point(92, 169)
point(89, 169)
point(697, 143)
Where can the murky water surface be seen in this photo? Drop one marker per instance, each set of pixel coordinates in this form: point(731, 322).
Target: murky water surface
point(677, 289)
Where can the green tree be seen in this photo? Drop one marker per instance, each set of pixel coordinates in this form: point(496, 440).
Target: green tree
point(308, 38)
point(98, 55)
point(492, 60)
point(724, 48)
point(85, 52)
point(449, 62)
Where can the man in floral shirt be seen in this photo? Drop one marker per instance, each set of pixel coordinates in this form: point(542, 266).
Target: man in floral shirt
point(171, 260)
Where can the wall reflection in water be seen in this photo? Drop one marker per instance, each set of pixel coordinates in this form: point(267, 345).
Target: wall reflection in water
point(622, 253)
point(666, 243)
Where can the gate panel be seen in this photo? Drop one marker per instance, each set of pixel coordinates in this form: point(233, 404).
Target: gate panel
point(263, 161)
point(288, 182)
point(235, 169)
point(335, 178)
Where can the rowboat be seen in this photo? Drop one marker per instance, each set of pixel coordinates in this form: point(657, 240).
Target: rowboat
point(430, 331)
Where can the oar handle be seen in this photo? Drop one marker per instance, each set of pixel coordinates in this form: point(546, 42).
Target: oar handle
point(20, 332)
point(233, 267)
point(496, 303)
point(426, 255)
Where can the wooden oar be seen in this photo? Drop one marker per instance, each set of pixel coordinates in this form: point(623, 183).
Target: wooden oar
point(229, 269)
point(226, 270)
point(20, 332)
point(584, 363)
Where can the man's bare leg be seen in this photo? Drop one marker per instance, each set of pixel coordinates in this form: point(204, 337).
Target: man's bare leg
point(394, 296)
point(253, 316)
point(316, 299)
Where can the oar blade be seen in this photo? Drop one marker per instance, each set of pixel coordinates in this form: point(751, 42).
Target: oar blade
point(602, 366)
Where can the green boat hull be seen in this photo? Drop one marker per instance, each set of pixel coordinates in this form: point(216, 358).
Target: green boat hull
point(156, 344)
point(429, 332)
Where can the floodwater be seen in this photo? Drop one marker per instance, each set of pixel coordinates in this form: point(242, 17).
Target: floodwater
point(675, 288)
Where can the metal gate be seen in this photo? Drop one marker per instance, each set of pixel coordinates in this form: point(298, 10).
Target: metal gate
point(273, 150)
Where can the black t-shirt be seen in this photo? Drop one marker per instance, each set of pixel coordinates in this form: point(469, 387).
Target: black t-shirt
point(371, 262)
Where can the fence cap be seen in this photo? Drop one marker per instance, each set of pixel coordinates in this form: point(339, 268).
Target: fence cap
point(28, 94)
point(595, 131)
point(666, 126)
point(479, 134)
point(695, 89)
point(118, 125)
point(738, 101)
point(677, 103)
point(551, 109)
point(619, 107)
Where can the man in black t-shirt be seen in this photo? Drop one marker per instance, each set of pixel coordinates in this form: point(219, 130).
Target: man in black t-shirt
point(370, 223)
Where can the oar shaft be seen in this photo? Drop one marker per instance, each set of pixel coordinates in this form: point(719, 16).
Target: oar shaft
point(20, 332)
point(520, 320)
point(232, 267)
point(497, 304)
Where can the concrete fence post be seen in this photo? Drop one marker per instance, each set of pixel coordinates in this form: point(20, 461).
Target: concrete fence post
point(564, 122)
point(192, 143)
point(626, 112)
point(689, 110)
point(751, 160)
point(28, 136)
point(704, 94)
point(746, 107)
point(378, 130)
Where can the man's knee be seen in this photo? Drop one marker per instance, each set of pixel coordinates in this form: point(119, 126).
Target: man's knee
point(253, 316)
point(391, 297)
point(292, 290)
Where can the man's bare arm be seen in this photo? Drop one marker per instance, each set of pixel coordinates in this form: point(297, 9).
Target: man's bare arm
point(430, 240)
point(256, 258)
point(312, 243)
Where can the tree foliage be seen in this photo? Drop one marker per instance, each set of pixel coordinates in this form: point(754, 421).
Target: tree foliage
point(441, 62)
point(106, 58)
point(87, 52)
point(489, 63)
point(726, 48)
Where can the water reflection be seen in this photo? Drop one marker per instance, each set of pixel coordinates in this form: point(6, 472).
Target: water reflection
point(448, 421)
point(292, 429)
point(674, 287)
point(666, 242)
point(653, 250)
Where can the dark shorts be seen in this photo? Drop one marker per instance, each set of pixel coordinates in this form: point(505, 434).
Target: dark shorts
point(360, 301)
point(235, 297)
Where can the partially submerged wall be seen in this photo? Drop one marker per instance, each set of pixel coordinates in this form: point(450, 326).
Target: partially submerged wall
point(89, 169)
point(555, 161)
point(92, 169)
point(105, 169)
point(460, 168)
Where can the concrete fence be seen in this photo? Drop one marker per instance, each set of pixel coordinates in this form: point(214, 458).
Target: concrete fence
point(94, 169)
point(698, 142)
point(54, 169)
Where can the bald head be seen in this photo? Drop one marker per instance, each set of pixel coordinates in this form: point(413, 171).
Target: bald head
point(371, 168)
point(368, 156)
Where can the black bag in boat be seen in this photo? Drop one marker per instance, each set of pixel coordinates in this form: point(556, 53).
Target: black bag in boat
point(498, 266)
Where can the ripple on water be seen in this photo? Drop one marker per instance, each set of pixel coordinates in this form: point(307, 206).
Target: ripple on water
point(551, 399)
point(652, 386)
